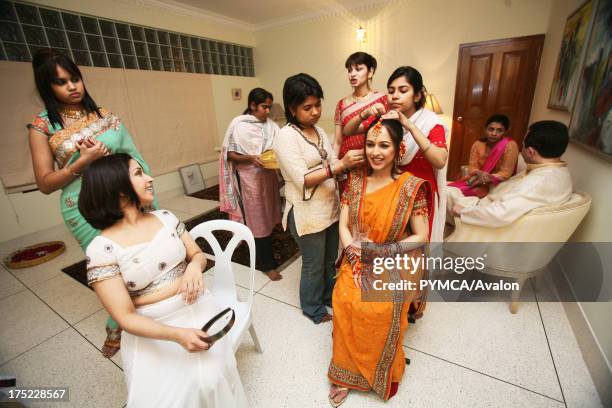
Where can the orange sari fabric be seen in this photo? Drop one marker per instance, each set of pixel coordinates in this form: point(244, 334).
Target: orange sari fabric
point(367, 336)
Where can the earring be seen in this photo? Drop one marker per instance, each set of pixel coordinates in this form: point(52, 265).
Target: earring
point(402, 151)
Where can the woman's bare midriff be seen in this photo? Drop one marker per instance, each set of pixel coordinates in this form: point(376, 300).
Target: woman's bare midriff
point(158, 295)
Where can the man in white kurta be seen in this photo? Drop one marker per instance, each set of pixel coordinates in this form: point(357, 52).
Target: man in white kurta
point(545, 182)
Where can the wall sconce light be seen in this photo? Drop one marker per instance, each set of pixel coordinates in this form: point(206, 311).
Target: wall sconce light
point(277, 114)
point(431, 103)
point(361, 34)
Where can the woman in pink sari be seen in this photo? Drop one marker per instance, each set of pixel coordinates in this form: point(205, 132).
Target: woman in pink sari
point(492, 159)
point(360, 68)
point(248, 192)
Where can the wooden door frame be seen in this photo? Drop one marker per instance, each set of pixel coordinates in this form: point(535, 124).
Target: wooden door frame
point(454, 122)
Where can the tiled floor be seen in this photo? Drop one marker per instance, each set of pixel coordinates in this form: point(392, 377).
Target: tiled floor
point(462, 354)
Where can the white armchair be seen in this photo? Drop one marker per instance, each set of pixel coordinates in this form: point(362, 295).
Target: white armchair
point(547, 224)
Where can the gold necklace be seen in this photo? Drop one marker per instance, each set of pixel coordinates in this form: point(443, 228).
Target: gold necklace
point(359, 98)
point(74, 114)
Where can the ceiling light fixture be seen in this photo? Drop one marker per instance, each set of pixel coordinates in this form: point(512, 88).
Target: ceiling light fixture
point(361, 34)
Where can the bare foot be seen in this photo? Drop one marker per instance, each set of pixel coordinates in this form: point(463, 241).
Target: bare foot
point(274, 275)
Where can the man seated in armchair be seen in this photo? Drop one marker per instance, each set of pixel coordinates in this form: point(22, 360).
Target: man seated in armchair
point(546, 181)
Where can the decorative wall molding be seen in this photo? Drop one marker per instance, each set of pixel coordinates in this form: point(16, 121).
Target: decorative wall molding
point(331, 10)
point(189, 11)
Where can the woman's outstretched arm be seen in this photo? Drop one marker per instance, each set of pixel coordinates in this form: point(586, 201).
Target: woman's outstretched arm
point(116, 300)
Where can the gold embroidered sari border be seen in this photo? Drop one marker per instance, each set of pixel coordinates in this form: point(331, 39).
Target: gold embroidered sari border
point(347, 378)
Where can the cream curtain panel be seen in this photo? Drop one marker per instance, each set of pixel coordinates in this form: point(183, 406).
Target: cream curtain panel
point(171, 116)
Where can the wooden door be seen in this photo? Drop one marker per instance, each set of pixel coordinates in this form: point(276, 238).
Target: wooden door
point(496, 76)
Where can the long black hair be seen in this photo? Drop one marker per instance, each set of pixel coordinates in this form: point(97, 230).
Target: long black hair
point(103, 183)
point(295, 91)
point(396, 131)
point(257, 96)
point(45, 63)
point(414, 78)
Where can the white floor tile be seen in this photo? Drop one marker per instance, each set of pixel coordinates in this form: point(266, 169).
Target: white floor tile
point(486, 337)
point(69, 298)
point(287, 289)
point(431, 382)
point(8, 284)
point(243, 277)
point(93, 328)
point(69, 360)
point(578, 387)
point(25, 322)
point(291, 372)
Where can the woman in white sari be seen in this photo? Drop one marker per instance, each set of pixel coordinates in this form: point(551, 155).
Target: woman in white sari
point(147, 272)
point(248, 192)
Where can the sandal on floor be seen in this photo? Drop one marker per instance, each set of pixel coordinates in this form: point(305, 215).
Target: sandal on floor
point(340, 390)
point(112, 343)
point(326, 318)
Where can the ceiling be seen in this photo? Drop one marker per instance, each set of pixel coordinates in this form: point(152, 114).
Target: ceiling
point(265, 13)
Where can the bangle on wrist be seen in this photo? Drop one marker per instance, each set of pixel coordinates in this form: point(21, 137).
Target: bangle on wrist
point(427, 148)
point(361, 115)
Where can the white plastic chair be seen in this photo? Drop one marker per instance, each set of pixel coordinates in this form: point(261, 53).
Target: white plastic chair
point(224, 283)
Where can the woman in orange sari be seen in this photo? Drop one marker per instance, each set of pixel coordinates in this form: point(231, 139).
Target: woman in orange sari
point(392, 208)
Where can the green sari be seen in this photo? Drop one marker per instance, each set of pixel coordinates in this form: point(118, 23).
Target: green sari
point(111, 131)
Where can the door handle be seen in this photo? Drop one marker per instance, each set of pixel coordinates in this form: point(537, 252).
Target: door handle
point(459, 118)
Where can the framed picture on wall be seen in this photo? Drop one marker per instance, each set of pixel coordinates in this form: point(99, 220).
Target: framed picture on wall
point(591, 122)
point(571, 56)
point(192, 179)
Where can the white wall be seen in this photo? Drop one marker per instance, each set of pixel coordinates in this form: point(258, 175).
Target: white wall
point(421, 33)
point(24, 213)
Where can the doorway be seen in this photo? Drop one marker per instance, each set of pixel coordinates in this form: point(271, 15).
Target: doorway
point(496, 76)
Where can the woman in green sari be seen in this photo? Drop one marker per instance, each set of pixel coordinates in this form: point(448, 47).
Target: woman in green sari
point(65, 138)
